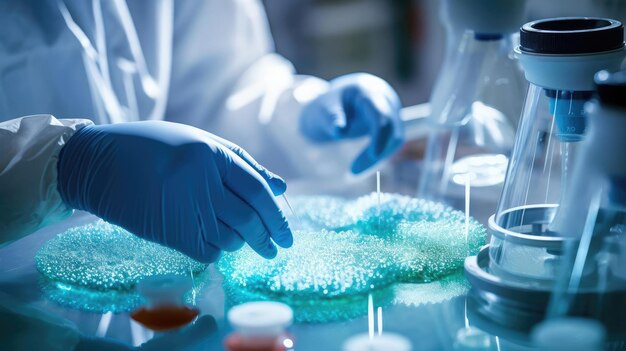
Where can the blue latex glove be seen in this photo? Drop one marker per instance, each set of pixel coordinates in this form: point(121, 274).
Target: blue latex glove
point(357, 105)
point(175, 185)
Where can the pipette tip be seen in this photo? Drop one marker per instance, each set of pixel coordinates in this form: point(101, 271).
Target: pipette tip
point(295, 215)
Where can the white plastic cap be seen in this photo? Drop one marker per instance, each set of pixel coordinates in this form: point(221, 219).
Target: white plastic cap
point(571, 334)
point(263, 318)
point(568, 72)
point(487, 16)
point(164, 289)
point(384, 342)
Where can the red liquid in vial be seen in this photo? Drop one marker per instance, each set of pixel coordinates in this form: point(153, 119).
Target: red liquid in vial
point(164, 318)
point(236, 342)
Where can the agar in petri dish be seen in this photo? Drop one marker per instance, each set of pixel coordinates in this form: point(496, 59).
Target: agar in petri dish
point(95, 267)
point(348, 249)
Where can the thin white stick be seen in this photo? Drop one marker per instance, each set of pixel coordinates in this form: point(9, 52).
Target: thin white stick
point(467, 323)
point(103, 326)
point(378, 193)
point(193, 286)
point(370, 316)
point(295, 215)
point(467, 206)
point(380, 321)
point(139, 334)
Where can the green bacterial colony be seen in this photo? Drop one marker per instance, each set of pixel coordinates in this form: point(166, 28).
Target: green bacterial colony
point(95, 267)
point(344, 250)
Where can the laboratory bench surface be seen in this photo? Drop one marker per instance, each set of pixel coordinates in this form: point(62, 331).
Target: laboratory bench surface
point(428, 326)
point(432, 326)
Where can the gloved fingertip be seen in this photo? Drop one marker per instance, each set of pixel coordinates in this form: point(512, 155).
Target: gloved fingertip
point(362, 163)
point(383, 140)
point(270, 252)
point(285, 239)
point(276, 183)
point(208, 255)
point(357, 169)
point(278, 186)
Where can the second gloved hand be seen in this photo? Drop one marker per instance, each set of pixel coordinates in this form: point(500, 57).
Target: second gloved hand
point(357, 105)
point(175, 185)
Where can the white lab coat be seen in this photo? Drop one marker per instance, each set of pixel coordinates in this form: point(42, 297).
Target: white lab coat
point(207, 63)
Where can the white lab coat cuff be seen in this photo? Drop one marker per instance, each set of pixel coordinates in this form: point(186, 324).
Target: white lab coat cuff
point(29, 198)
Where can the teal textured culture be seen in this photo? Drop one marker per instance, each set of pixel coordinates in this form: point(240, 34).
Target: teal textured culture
point(345, 249)
point(95, 267)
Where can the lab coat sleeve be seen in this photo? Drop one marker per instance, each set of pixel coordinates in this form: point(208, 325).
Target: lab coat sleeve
point(227, 79)
point(29, 198)
point(276, 112)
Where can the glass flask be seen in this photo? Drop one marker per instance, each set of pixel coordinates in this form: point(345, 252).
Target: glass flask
point(560, 57)
point(476, 102)
point(592, 214)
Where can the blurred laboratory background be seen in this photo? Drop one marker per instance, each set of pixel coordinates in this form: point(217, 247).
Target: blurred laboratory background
point(401, 41)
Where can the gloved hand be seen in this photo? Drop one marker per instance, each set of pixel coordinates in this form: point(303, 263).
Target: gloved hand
point(356, 105)
point(175, 185)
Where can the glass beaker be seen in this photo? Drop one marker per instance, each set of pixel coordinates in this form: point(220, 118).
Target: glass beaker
point(475, 104)
point(560, 57)
point(592, 214)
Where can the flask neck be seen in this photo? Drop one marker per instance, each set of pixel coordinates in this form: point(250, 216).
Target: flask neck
point(472, 42)
point(488, 37)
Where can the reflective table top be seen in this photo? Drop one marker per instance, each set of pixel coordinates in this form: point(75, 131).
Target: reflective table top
point(432, 326)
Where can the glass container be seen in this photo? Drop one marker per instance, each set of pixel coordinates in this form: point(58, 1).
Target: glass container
point(475, 104)
point(560, 57)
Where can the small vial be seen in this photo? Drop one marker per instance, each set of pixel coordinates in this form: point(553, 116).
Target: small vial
point(383, 342)
point(260, 326)
point(165, 309)
point(472, 339)
point(571, 334)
